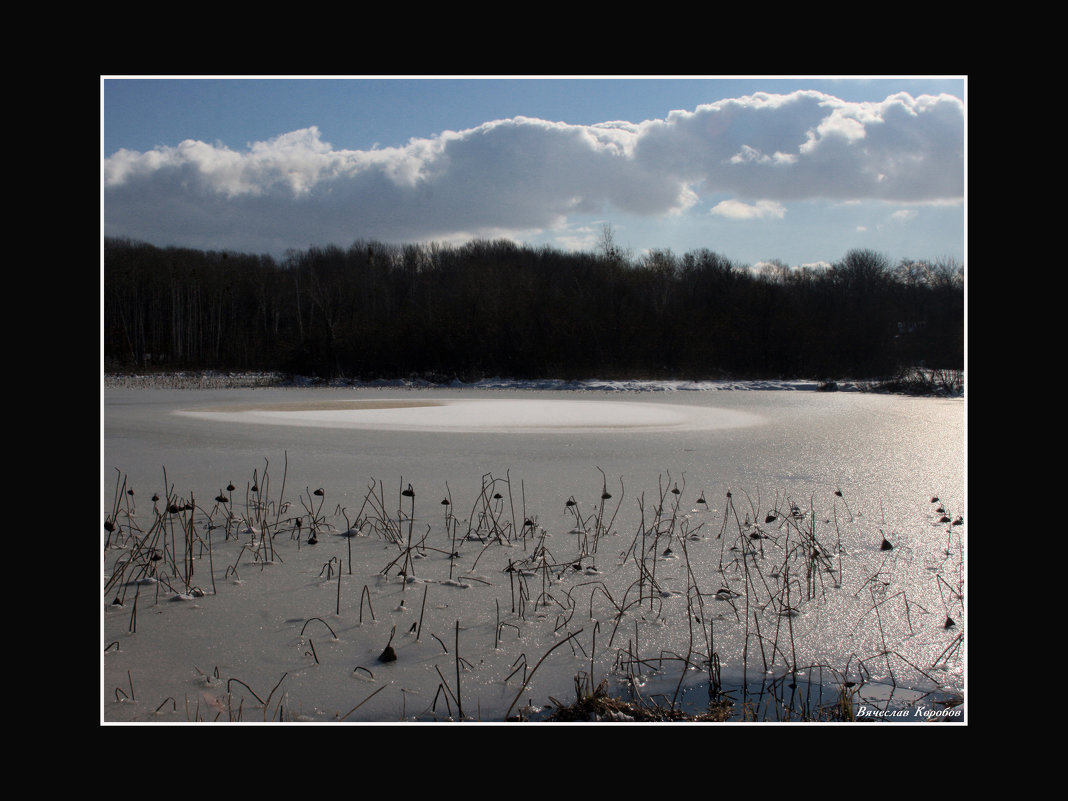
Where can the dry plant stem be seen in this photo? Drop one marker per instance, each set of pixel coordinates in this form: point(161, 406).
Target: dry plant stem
point(188, 550)
point(527, 680)
point(511, 502)
point(113, 520)
point(231, 680)
point(689, 621)
point(443, 693)
point(211, 563)
point(520, 663)
point(281, 496)
point(459, 704)
point(882, 636)
point(593, 648)
point(366, 594)
point(422, 608)
point(950, 650)
point(133, 612)
point(448, 689)
point(273, 690)
point(309, 620)
point(364, 701)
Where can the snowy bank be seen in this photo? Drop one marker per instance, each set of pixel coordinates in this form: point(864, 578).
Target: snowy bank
point(220, 380)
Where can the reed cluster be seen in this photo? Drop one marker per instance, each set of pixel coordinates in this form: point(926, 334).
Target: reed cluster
point(738, 583)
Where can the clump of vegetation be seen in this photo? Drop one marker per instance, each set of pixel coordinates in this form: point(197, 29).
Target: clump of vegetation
point(601, 707)
point(920, 381)
point(695, 588)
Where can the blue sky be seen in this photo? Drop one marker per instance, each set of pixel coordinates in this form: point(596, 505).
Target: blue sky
point(795, 169)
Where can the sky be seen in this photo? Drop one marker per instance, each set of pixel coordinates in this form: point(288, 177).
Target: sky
point(794, 169)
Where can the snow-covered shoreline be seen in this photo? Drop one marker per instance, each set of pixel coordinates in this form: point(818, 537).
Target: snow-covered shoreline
point(221, 380)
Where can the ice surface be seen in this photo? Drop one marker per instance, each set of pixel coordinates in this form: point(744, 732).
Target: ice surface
point(289, 632)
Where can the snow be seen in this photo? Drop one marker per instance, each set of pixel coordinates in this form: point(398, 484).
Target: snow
point(503, 415)
point(216, 380)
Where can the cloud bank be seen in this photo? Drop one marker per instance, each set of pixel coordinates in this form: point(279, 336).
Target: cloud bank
point(522, 175)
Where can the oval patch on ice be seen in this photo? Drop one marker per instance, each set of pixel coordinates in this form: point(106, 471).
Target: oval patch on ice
point(493, 414)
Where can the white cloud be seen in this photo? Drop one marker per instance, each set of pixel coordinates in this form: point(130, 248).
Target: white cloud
point(904, 215)
point(585, 237)
point(737, 210)
point(524, 174)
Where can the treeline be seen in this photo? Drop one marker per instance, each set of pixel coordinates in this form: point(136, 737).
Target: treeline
point(490, 308)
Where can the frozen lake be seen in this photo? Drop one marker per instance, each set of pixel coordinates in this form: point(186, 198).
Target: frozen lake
point(886, 455)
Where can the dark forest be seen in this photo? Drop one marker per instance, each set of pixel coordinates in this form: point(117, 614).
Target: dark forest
point(495, 308)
